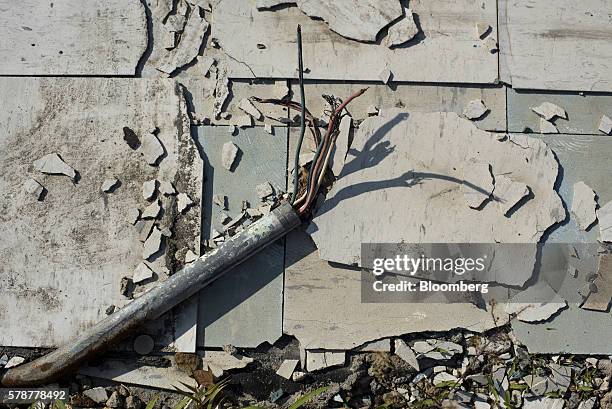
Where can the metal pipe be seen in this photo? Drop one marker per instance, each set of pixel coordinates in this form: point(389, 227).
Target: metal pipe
point(179, 287)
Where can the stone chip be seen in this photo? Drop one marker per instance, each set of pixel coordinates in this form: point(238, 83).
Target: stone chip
point(53, 164)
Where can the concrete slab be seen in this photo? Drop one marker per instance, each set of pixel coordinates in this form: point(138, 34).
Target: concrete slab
point(584, 112)
point(445, 51)
point(566, 47)
point(64, 257)
point(324, 309)
point(418, 158)
point(75, 37)
point(231, 309)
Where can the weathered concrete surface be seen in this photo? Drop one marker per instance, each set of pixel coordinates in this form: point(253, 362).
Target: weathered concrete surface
point(131, 372)
point(323, 306)
point(566, 47)
point(74, 37)
point(417, 160)
point(584, 112)
point(63, 257)
point(359, 20)
point(445, 52)
point(231, 309)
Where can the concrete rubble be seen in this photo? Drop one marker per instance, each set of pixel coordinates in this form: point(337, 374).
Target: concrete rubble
point(13, 362)
point(317, 360)
point(475, 110)
point(152, 149)
point(605, 125)
point(549, 111)
point(508, 193)
point(109, 185)
point(525, 309)
point(53, 164)
point(287, 368)
point(477, 174)
point(547, 127)
point(247, 106)
point(184, 202)
point(141, 273)
point(403, 31)
point(584, 205)
point(148, 189)
point(33, 188)
point(152, 211)
point(153, 244)
point(228, 155)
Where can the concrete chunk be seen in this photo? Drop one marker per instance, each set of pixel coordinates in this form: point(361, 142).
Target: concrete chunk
point(53, 164)
point(32, 187)
point(152, 211)
point(482, 30)
point(220, 200)
point(406, 353)
point(549, 111)
point(141, 273)
point(152, 149)
point(97, 394)
point(190, 257)
point(475, 109)
point(584, 205)
point(188, 47)
point(148, 189)
point(402, 31)
point(543, 403)
point(605, 125)
point(287, 367)
point(167, 188)
point(317, 360)
point(228, 155)
point(184, 202)
point(109, 185)
point(508, 193)
point(547, 127)
point(604, 214)
point(247, 106)
point(153, 244)
point(528, 311)
point(14, 361)
point(600, 299)
point(220, 361)
point(244, 121)
point(385, 75)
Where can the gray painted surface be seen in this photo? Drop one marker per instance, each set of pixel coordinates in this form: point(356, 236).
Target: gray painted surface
point(560, 47)
point(584, 112)
point(244, 307)
point(74, 37)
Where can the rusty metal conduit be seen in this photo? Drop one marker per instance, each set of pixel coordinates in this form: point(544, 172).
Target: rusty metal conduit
point(179, 287)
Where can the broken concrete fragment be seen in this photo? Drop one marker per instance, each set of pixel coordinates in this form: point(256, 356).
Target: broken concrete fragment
point(189, 46)
point(32, 187)
point(175, 23)
point(286, 369)
point(477, 184)
point(219, 361)
point(109, 185)
point(264, 190)
point(167, 188)
point(549, 111)
point(527, 310)
point(148, 189)
point(482, 30)
point(221, 90)
point(244, 121)
point(207, 63)
point(543, 403)
point(152, 211)
point(153, 243)
point(342, 144)
point(247, 106)
point(152, 149)
point(444, 377)
point(53, 164)
point(144, 227)
point(223, 218)
point(184, 202)
point(231, 129)
point(316, 360)
point(114, 401)
point(269, 129)
point(372, 110)
point(508, 193)
point(190, 257)
point(346, 17)
point(406, 353)
point(584, 205)
point(382, 345)
point(604, 214)
point(228, 155)
point(402, 31)
point(475, 109)
point(385, 75)
point(547, 127)
point(605, 125)
point(97, 394)
point(14, 361)
point(143, 344)
point(436, 349)
point(141, 273)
